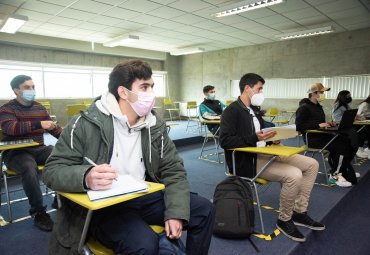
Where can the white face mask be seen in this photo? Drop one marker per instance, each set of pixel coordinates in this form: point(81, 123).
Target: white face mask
point(257, 99)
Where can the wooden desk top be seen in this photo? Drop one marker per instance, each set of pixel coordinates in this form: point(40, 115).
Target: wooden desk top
point(83, 199)
point(273, 150)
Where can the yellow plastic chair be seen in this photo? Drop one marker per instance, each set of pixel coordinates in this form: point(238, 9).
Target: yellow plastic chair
point(97, 248)
point(192, 114)
point(228, 102)
point(75, 109)
point(275, 116)
point(170, 107)
point(87, 102)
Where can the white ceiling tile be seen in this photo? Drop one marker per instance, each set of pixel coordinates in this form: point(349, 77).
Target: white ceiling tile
point(283, 26)
point(303, 13)
point(188, 29)
point(92, 26)
point(105, 20)
point(33, 15)
point(231, 19)
point(146, 19)
point(93, 6)
point(165, 2)
point(76, 31)
point(168, 24)
point(46, 8)
point(207, 24)
point(247, 24)
point(65, 21)
point(272, 20)
point(308, 21)
point(48, 26)
point(142, 6)
point(121, 13)
point(224, 29)
point(189, 5)
point(76, 14)
point(188, 19)
point(130, 25)
point(5, 8)
point(349, 13)
point(357, 26)
point(166, 12)
point(115, 31)
point(289, 6)
point(338, 5)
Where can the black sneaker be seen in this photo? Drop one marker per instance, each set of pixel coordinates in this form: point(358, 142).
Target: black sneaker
point(302, 219)
point(54, 205)
point(290, 230)
point(43, 221)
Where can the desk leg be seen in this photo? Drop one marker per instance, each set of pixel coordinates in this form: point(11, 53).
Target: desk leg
point(253, 181)
point(84, 231)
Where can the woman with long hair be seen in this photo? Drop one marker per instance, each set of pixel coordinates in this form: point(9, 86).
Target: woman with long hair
point(341, 105)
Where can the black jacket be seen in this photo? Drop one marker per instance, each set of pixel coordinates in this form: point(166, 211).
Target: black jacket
point(237, 130)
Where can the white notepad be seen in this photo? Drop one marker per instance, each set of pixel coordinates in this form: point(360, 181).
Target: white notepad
point(125, 184)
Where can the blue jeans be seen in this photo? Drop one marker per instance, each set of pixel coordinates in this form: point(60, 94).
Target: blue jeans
point(25, 162)
point(125, 227)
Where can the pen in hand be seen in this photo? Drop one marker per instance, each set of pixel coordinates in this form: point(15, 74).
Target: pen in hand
point(94, 164)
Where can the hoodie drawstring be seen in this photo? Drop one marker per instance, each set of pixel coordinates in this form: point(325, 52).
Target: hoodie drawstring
point(150, 146)
point(162, 147)
point(73, 129)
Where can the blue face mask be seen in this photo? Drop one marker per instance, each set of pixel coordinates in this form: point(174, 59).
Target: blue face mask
point(211, 96)
point(28, 95)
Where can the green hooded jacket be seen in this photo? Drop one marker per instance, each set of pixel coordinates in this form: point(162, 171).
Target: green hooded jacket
point(91, 135)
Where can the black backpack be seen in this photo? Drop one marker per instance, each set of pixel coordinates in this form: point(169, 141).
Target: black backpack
point(233, 200)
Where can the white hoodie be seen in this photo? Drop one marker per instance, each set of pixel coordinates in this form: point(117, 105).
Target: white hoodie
point(127, 157)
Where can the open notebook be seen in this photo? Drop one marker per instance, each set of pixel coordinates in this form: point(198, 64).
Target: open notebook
point(125, 184)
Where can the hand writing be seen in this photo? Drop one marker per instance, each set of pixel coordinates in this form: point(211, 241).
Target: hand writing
point(100, 177)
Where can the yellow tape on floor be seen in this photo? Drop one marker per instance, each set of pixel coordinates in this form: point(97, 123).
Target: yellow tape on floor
point(268, 237)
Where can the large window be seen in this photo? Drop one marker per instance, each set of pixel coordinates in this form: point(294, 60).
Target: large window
point(61, 81)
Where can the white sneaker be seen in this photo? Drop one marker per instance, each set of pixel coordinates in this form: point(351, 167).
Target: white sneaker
point(341, 181)
point(358, 175)
point(367, 150)
point(361, 153)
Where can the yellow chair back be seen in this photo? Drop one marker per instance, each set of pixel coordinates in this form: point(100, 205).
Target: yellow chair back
point(228, 102)
point(74, 109)
point(191, 105)
point(167, 101)
point(273, 111)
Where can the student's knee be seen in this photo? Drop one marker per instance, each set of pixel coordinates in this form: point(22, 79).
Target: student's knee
point(294, 177)
point(144, 245)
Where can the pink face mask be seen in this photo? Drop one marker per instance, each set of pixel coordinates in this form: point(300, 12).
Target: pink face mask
point(144, 104)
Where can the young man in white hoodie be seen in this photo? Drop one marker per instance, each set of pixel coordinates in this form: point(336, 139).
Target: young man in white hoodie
point(121, 135)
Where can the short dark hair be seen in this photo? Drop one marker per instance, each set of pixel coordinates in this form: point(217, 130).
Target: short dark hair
point(124, 74)
point(207, 88)
point(249, 79)
point(18, 80)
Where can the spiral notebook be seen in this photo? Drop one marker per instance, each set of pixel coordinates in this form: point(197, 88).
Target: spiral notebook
point(125, 184)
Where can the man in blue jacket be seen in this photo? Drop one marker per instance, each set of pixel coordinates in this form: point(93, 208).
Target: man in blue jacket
point(211, 108)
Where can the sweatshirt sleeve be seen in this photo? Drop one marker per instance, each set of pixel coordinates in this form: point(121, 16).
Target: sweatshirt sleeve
point(230, 135)
point(304, 120)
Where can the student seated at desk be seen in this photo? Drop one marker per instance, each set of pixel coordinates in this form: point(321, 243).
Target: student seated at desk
point(24, 118)
point(122, 136)
point(364, 135)
point(341, 105)
point(310, 116)
point(210, 108)
point(241, 126)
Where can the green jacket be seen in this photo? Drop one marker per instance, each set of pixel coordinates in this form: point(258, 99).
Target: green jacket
point(92, 137)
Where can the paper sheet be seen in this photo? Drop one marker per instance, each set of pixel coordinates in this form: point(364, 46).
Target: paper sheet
point(282, 132)
point(125, 184)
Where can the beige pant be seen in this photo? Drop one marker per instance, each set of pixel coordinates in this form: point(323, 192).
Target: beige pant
point(297, 175)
